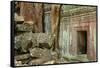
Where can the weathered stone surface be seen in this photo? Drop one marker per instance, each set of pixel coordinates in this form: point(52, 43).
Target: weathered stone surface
point(45, 38)
point(62, 60)
point(18, 17)
point(38, 45)
point(22, 57)
point(42, 56)
point(18, 63)
point(78, 10)
point(25, 41)
point(41, 61)
point(40, 53)
point(50, 62)
point(29, 39)
point(54, 55)
point(24, 27)
point(42, 38)
point(38, 61)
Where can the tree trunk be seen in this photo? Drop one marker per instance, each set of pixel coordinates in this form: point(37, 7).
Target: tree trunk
point(55, 14)
point(38, 17)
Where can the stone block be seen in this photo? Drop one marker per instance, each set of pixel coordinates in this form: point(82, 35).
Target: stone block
point(24, 27)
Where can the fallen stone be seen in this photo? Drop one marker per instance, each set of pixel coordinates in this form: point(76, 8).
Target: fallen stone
point(26, 61)
point(40, 53)
point(18, 17)
point(29, 40)
point(18, 63)
point(24, 27)
point(25, 41)
point(50, 62)
point(22, 57)
point(43, 39)
point(37, 61)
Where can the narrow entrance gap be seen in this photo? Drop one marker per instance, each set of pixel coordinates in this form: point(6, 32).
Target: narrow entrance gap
point(82, 42)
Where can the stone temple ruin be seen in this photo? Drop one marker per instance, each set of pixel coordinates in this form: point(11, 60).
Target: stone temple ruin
point(33, 48)
point(54, 33)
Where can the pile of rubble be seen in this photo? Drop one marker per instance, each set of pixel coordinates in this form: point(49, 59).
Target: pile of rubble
point(32, 48)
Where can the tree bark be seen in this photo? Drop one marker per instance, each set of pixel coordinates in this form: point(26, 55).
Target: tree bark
point(55, 14)
point(38, 17)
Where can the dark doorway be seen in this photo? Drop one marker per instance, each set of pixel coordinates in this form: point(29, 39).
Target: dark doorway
point(82, 42)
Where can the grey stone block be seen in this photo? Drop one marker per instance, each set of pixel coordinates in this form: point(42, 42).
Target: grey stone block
point(24, 27)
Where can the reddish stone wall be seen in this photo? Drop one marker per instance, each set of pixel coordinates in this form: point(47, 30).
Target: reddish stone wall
point(84, 22)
